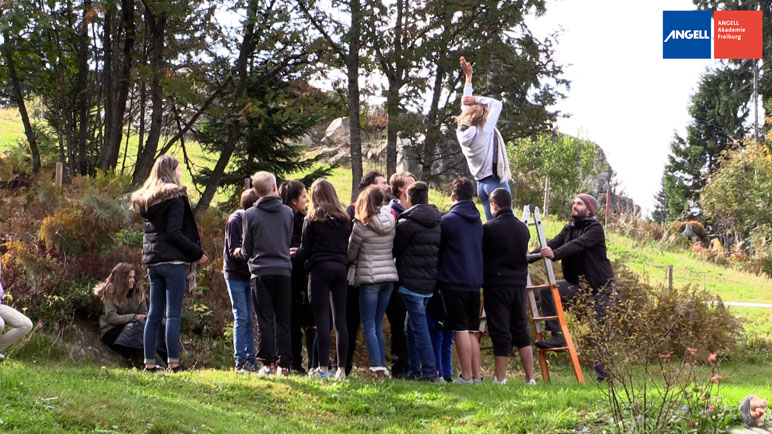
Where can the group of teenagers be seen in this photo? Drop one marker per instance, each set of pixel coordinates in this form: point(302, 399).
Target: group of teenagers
point(390, 253)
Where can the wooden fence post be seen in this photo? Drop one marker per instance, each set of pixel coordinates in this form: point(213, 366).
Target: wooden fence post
point(59, 174)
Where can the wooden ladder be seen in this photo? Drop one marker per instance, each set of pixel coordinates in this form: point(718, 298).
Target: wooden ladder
point(536, 316)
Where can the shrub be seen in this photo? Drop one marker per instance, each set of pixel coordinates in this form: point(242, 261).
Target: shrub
point(650, 343)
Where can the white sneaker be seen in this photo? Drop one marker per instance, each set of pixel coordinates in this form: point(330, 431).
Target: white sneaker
point(460, 380)
point(2, 358)
point(531, 382)
point(477, 380)
point(340, 375)
point(496, 381)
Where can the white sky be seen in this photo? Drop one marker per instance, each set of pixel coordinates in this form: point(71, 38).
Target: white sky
point(623, 95)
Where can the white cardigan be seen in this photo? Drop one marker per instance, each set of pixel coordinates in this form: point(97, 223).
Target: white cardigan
point(477, 143)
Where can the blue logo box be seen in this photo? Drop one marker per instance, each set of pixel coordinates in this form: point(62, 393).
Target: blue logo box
point(686, 34)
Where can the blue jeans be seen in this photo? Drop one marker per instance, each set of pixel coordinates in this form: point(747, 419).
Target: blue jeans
point(167, 288)
point(442, 341)
point(373, 299)
point(419, 344)
point(484, 190)
point(243, 324)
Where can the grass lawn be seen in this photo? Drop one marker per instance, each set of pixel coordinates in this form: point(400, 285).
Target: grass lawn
point(88, 398)
point(11, 128)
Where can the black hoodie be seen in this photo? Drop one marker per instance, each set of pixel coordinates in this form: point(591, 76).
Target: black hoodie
point(324, 241)
point(460, 266)
point(267, 236)
point(417, 248)
point(505, 244)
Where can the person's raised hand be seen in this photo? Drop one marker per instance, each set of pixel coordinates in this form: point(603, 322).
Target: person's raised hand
point(467, 68)
point(469, 100)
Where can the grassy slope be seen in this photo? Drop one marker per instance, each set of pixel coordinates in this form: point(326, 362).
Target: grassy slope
point(11, 128)
point(90, 398)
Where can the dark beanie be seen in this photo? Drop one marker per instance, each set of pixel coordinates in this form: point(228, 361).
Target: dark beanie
point(590, 202)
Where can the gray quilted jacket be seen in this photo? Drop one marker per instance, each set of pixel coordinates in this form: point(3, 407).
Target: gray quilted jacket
point(370, 249)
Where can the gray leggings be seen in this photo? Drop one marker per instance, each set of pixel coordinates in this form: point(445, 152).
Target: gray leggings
point(20, 325)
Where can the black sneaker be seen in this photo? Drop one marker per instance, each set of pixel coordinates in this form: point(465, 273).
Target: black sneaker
point(298, 370)
point(555, 341)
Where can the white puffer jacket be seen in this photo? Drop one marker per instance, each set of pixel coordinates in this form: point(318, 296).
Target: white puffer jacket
point(370, 249)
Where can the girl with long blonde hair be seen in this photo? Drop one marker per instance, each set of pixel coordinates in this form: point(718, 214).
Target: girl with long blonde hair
point(481, 143)
point(170, 243)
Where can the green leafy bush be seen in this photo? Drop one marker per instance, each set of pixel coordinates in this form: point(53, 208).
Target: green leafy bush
point(652, 343)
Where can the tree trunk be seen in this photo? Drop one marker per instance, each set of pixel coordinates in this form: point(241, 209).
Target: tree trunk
point(352, 67)
point(107, 83)
point(234, 133)
point(82, 92)
point(19, 97)
point(392, 109)
point(157, 26)
point(432, 129)
point(395, 85)
point(119, 89)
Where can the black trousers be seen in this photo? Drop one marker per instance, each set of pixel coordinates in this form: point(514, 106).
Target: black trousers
point(353, 321)
point(507, 319)
point(568, 292)
point(127, 352)
point(396, 314)
point(273, 300)
point(301, 318)
point(328, 287)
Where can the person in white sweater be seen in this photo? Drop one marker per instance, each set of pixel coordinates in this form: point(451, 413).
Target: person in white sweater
point(481, 142)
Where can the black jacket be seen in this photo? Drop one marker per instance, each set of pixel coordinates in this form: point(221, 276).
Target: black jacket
point(460, 267)
point(324, 241)
point(170, 232)
point(417, 248)
point(581, 248)
point(267, 236)
point(505, 244)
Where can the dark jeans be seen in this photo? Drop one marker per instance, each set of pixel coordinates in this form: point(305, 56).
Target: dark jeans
point(419, 342)
point(328, 286)
point(167, 289)
point(442, 343)
point(396, 314)
point(353, 317)
point(568, 292)
point(273, 300)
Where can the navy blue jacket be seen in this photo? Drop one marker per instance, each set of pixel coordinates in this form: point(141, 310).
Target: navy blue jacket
point(234, 267)
point(460, 265)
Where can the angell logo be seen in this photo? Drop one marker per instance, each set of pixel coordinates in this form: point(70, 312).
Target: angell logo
point(686, 34)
